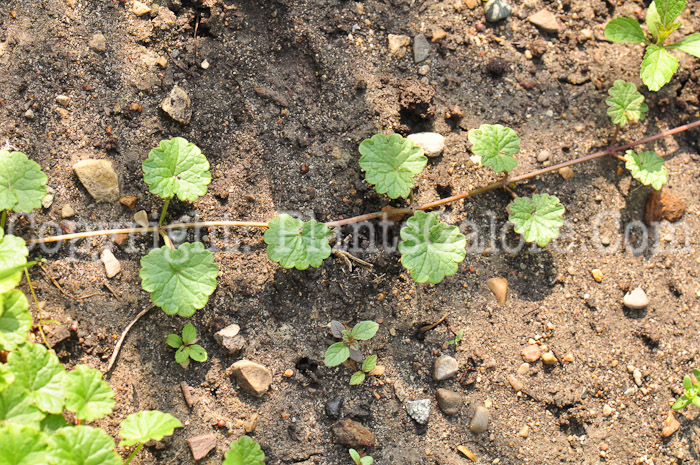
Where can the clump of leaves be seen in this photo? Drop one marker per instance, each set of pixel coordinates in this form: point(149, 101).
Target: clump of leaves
point(367, 366)
point(647, 168)
point(244, 451)
point(294, 243)
point(22, 183)
point(692, 392)
point(658, 65)
point(625, 105)
point(349, 347)
point(366, 460)
point(458, 337)
point(496, 145)
point(537, 218)
point(186, 346)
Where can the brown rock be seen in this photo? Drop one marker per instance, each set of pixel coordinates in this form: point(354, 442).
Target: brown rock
point(112, 266)
point(178, 105)
point(515, 383)
point(566, 173)
point(670, 425)
point(531, 353)
point(128, 201)
point(499, 287)
point(201, 445)
point(187, 394)
point(449, 401)
point(353, 434)
point(545, 20)
point(438, 35)
point(99, 178)
point(549, 358)
point(252, 377)
point(57, 334)
point(663, 205)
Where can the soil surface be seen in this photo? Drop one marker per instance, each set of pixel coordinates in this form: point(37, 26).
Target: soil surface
point(282, 93)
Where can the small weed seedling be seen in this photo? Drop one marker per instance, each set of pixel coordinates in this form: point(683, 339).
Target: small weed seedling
point(456, 339)
point(349, 347)
point(244, 451)
point(186, 347)
point(367, 366)
point(692, 392)
point(658, 65)
point(366, 460)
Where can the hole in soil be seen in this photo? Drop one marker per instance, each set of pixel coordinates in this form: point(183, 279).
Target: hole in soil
point(305, 366)
point(444, 191)
point(414, 118)
point(201, 14)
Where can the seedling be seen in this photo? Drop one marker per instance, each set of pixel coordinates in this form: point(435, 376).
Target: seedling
point(349, 347)
point(658, 65)
point(455, 341)
point(692, 392)
point(22, 184)
point(294, 243)
point(647, 168)
point(186, 347)
point(367, 366)
point(625, 104)
point(141, 427)
point(244, 451)
point(366, 460)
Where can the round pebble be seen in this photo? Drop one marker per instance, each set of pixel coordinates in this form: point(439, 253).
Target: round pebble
point(480, 420)
point(531, 353)
point(497, 10)
point(636, 299)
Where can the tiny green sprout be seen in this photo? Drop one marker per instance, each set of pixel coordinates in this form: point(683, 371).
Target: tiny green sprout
point(456, 339)
point(692, 392)
point(186, 347)
point(658, 65)
point(366, 460)
point(349, 347)
point(367, 366)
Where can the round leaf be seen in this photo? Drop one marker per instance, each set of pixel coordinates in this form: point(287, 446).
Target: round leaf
point(87, 394)
point(357, 378)
point(22, 445)
point(295, 243)
point(13, 256)
point(537, 219)
point(431, 249)
point(15, 319)
point(177, 167)
point(336, 354)
point(496, 145)
point(625, 105)
point(82, 445)
point(364, 330)
point(180, 281)
point(22, 183)
point(244, 451)
point(625, 30)
point(197, 353)
point(40, 374)
point(189, 334)
point(147, 425)
point(391, 163)
point(174, 341)
point(647, 168)
point(181, 355)
point(369, 363)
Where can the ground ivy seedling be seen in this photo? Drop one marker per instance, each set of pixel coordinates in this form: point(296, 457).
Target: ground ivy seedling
point(186, 347)
point(538, 218)
point(22, 184)
point(625, 105)
point(149, 425)
point(647, 168)
point(496, 145)
point(244, 451)
point(692, 392)
point(294, 243)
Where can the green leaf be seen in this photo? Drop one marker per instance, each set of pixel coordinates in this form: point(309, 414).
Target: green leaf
point(13, 260)
point(6, 376)
point(625, 104)
point(669, 10)
point(696, 401)
point(364, 330)
point(369, 363)
point(653, 21)
point(10, 277)
point(177, 167)
point(40, 374)
point(456, 339)
point(625, 30)
point(696, 373)
point(182, 355)
point(147, 425)
point(647, 168)
point(82, 445)
point(391, 164)
point(355, 456)
point(295, 243)
point(244, 451)
point(189, 334)
point(367, 460)
point(682, 402)
point(15, 319)
point(658, 67)
point(180, 281)
point(357, 378)
point(690, 44)
point(174, 341)
point(87, 394)
point(22, 445)
point(52, 423)
point(687, 383)
point(537, 219)
point(197, 353)
point(22, 183)
point(17, 407)
point(336, 354)
point(431, 249)
point(496, 145)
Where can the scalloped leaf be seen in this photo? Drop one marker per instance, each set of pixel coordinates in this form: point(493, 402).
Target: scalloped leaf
point(538, 219)
point(177, 167)
point(17, 407)
point(647, 168)
point(391, 164)
point(82, 445)
point(431, 249)
point(180, 281)
point(22, 445)
point(6, 376)
point(496, 145)
point(87, 394)
point(39, 372)
point(626, 104)
point(244, 451)
point(13, 260)
point(22, 183)
point(294, 243)
point(147, 425)
point(658, 67)
point(15, 319)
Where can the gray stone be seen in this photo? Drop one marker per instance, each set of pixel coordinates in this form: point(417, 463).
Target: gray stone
point(449, 401)
point(201, 445)
point(98, 43)
point(432, 143)
point(177, 104)
point(444, 367)
point(333, 407)
point(419, 410)
point(47, 201)
point(545, 20)
point(230, 339)
point(252, 377)
point(480, 420)
point(141, 218)
point(99, 178)
point(421, 48)
point(636, 300)
point(497, 10)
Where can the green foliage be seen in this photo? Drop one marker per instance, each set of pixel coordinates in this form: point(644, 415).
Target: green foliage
point(17, 407)
point(368, 365)
point(366, 460)
point(22, 183)
point(647, 168)
point(456, 339)
point(538, 218)
point(87, 394)
point(349, 346)
point(186, 347)
point(658, 66)
point(147, 425)
point(496, 145)
point(244, 451)
point(391, 163)
point(181, 280)
point(40, 374)
point(13, 260)
point(626, 104)
point(177, 167)
point(294, 243)
point(692, 392)
point(431, 249)
point(22, 445)
point(15, 319)
point(6, 376)
point(82, 445)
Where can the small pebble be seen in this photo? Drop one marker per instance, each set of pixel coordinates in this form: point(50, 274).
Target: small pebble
point(543, 156)
point(597, 275)
point(98, 43)
point(140, 8)
point(141, 218)
point(438, 35)
point(112, 266)
point(397, 45)
point(531, 353)
point(47, 201)
point(480, 421)
point(636, 299)
point(423, 70)
point(421, 48)
point(545, 20)
point(205, 64)
point(419, 410)
point(449, 401)
point(29, 114)
point(523, 369)
point(499, 287)
point(637, 375)
point(63, 100)
point(515, 383)
point(566, 173)
point(670, 426)
point(333, 407)
point(497, 10)
point(444, 367)
point(432, 143)
point(524, 431)
point(67, 211)
point(607, 410)
point(548, 358)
